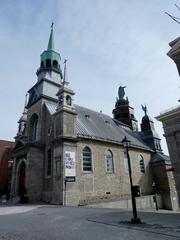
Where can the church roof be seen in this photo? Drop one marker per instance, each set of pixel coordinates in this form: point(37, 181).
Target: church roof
point(98, 126)
point(161, 158)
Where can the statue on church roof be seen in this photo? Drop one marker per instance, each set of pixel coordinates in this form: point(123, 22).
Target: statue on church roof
point(121, 92)
point(144, 108)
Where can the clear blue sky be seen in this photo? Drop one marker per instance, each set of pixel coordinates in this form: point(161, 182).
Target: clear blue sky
point(107, 44)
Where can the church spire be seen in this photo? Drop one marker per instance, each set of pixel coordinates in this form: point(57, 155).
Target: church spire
point(50, 59)
point(51, 40)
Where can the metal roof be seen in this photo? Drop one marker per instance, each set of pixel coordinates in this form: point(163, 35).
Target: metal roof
point(51, 107)
point(98, 126)
point(161, 158)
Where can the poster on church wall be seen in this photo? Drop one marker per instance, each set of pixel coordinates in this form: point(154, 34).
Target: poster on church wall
point(70, 165)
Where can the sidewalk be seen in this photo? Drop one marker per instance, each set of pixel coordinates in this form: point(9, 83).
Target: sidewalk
point(161, 222)
point(43, 221)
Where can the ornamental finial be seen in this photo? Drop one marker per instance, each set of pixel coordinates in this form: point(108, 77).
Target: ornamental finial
point(52, 24)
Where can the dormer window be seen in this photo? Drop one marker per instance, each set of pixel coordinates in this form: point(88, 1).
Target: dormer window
point(107, 122)
point(87, 116)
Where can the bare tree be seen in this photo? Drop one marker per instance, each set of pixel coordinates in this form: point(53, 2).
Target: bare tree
point(176, 19)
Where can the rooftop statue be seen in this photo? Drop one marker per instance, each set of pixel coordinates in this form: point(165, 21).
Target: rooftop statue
point(144, 108)
point(121, 92)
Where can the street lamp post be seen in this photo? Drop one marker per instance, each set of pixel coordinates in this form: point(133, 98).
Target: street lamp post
point(135, 219)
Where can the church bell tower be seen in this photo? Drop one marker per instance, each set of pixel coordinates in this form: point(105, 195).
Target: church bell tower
point(148, 132)
point(123, 112)
point(65, 111)
point(49, 75)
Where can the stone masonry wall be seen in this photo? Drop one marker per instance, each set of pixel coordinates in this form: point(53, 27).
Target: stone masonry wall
point(99, 184)
point(172, 133)
point(34, 173)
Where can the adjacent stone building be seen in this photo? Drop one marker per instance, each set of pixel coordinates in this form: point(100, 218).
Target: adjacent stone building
point(171, 122)
point(6, 160)
point(69, 154)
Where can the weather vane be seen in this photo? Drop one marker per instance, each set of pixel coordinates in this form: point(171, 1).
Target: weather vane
point(144, 108)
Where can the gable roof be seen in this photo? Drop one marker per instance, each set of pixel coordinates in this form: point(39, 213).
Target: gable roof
point(98, 126)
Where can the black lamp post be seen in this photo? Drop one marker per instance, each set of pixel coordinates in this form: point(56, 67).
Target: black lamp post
point(135, 219)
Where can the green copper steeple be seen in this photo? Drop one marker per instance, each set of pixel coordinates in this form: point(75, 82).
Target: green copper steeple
point(51, 39)
point(50, 58)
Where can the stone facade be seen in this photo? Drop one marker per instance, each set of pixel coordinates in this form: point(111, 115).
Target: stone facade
point(99, 184)
point(171, 125)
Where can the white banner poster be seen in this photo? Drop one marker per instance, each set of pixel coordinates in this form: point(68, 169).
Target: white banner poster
point(70, 164)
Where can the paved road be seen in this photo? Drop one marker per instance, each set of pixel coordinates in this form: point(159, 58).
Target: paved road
point(46, 222)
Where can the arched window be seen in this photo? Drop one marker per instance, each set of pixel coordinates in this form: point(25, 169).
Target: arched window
point(55, 63)
point(49, 162)
point(48, 62)
point(87, 159)
point(68, 100)
point(141, 164)
point(126, 168)
point(109, 161)
point(34, 128)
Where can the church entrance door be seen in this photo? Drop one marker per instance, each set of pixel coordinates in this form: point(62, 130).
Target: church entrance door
point(22, 179)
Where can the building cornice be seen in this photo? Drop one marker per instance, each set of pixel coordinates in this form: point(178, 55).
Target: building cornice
point(168, 113)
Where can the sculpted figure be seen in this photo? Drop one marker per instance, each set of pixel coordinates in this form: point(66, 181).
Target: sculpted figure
point(144, 108)
point(121, 92)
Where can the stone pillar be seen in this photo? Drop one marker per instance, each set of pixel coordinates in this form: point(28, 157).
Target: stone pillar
point(172, 142)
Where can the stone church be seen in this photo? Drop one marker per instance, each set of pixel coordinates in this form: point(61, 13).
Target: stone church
point(68, 154)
